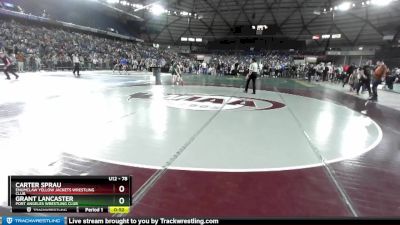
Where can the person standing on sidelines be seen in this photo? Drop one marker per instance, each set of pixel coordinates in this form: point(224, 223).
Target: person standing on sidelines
point(75, 60)
point(252, 75)
point(21, 60)
point(365, 78)
point(8, 66)
point(204, 68)
point(176, 74)
point(379, 73)
point(349, 71)
point(180, 74)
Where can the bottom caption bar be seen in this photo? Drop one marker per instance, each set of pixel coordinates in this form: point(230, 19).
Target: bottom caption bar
point(20, 220)
point(107, 209)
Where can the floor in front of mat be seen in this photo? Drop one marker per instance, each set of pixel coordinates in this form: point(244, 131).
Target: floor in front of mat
point(292, 149)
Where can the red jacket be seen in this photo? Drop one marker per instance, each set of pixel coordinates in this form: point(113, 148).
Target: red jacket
point(346, 68)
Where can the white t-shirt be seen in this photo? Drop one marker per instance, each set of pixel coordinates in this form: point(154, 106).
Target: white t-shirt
point(75, 59)
point(254, 67)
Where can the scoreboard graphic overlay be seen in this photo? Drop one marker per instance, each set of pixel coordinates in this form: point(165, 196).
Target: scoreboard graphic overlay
point(75, 194)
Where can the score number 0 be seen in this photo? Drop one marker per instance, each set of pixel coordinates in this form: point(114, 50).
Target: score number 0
point(121, 189)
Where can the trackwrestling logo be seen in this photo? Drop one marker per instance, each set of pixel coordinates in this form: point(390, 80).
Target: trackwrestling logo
point(201, 102)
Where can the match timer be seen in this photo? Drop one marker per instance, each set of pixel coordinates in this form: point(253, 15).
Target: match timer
point(77, 194)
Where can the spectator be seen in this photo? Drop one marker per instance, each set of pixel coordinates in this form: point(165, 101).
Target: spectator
point(379, 73)
point(20, 61)
point(38, 63)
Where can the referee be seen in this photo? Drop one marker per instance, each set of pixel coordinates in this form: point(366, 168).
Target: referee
point(252, 75)
point(75, 60)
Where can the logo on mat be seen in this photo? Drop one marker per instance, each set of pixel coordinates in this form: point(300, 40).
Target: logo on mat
point(9, 220)
point(209, 102)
